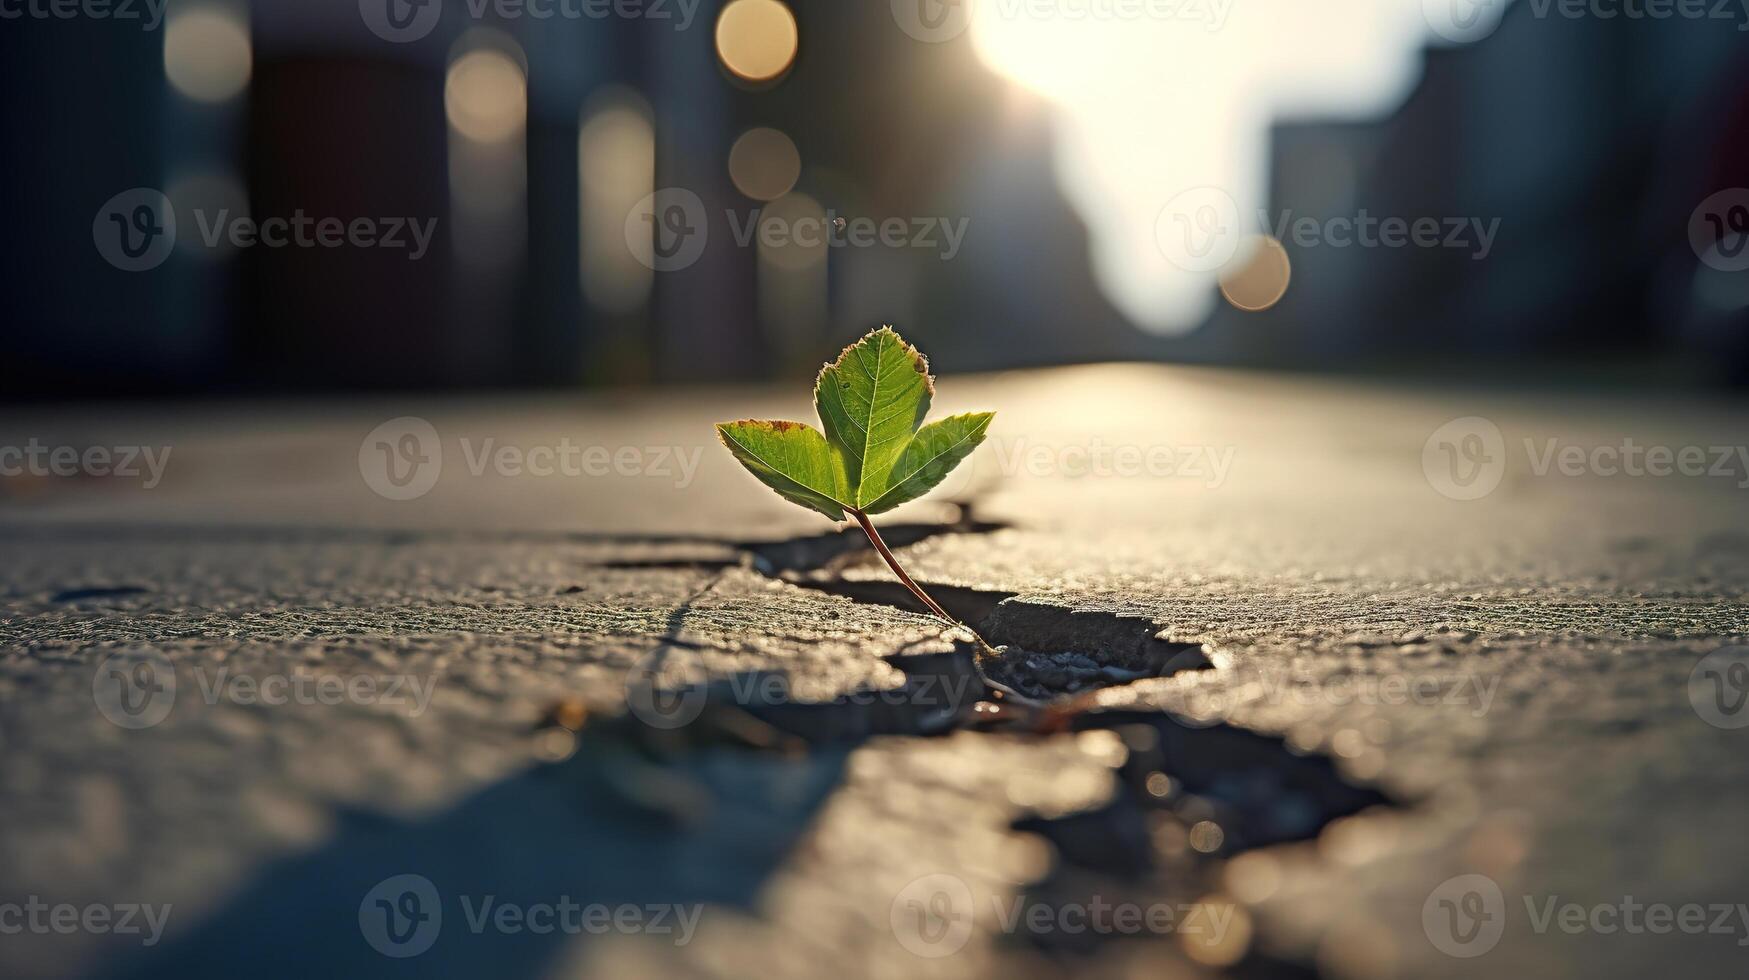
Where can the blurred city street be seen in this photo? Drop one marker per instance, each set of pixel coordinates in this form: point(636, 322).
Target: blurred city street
point(433, 547)
point(1349, 642)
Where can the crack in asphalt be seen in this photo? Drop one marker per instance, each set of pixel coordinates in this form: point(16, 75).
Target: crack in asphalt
point(1190, 794)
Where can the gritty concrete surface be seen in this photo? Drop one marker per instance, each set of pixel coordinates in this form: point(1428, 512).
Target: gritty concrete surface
point(363, 687)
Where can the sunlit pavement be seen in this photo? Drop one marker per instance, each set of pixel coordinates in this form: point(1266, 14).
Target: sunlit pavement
point(321, 650)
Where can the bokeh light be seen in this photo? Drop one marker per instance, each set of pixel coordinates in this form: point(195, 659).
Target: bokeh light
point(616, 168)
point(792, 272)
point(1217, 947)
point(486, 96)
point(1257, 278)
point(207, 54)
point(764, 164)
point(756, 39)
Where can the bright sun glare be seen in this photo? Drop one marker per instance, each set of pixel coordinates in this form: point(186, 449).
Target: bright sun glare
point(1148, 107)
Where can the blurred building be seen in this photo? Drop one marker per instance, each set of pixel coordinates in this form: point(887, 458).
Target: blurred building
point(529, 145)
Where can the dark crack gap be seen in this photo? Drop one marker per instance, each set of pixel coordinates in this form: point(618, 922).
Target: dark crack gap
point(1189, 796)
point(1044, 650)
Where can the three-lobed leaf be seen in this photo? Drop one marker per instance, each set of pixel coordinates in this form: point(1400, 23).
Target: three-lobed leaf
point(875, 453)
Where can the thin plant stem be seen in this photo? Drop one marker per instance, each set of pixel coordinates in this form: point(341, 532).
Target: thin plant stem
point(874, 538)
point(996, 688)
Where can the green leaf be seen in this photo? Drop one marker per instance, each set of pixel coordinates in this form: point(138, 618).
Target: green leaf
point(876, 453)
point(791, 458)
point(933, 453)
point(871, 400)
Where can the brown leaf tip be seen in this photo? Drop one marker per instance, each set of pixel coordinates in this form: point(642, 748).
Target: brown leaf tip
point(776, 425)
point(919, 362)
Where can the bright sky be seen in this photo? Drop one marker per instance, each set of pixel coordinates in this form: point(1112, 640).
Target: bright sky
point(1150, 106)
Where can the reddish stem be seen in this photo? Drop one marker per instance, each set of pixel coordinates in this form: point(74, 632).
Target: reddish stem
point(998, 690)
point(874, 538)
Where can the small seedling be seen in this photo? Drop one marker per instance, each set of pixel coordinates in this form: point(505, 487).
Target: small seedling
point(875, 453)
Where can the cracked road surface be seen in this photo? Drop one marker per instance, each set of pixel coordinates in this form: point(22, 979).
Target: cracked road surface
point(261, 689)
